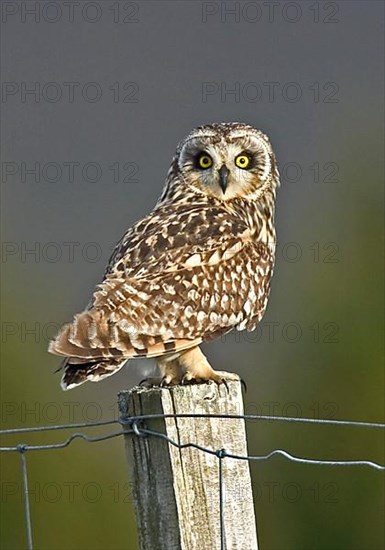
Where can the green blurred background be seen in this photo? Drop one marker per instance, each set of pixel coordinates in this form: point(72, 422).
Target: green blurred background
point(319, 350)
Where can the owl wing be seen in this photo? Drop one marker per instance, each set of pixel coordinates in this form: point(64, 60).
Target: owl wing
point(180, 276)
point(171, 233)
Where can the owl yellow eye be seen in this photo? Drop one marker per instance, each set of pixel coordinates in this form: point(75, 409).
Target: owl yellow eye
point(205, 161)
point(242, 161)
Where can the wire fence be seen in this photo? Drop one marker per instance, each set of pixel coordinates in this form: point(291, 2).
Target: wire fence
point(135, 426)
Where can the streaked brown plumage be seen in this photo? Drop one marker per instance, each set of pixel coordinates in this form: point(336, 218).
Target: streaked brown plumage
point(196, 267)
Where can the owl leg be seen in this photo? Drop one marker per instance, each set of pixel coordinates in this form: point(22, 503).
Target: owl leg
point(198, 369)
point(170, 372)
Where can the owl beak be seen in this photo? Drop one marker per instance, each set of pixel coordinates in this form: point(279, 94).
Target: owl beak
point(223, 177)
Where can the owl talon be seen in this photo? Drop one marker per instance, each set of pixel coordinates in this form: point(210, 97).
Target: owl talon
point(188, 379)
point(163, 382)
point(168, 381)
point(147, 383)
point(243, 384)
point(225, 384)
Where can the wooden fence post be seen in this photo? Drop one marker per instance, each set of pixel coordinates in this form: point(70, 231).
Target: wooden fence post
point(177, 491)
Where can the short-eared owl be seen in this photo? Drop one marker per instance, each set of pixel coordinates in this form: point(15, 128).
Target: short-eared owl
point(196, 267)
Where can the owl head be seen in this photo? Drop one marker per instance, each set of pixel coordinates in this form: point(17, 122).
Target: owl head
point(227, 161)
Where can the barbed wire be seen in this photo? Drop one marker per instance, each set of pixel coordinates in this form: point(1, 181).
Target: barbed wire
point(134, 425)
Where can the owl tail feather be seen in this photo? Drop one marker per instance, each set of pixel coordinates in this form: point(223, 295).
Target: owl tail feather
point(91, 371)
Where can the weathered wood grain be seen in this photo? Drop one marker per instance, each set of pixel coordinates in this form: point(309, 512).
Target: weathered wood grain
point(176, 491)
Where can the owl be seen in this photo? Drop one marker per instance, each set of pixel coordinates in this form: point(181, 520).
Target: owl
point(198, 266)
